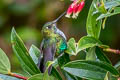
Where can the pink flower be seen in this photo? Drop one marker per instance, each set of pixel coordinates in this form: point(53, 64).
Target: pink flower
point(75, 8)
point(81, 5)
point(69, 11)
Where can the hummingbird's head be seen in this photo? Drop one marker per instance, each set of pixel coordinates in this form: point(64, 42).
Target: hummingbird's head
point(49, 29)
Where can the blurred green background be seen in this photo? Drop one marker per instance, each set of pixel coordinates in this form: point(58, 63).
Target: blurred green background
point(28, 17)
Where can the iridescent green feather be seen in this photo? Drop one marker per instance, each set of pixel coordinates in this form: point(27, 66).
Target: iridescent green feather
point(60, 45)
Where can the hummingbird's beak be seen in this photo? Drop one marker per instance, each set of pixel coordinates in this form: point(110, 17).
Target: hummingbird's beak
point(59, 17)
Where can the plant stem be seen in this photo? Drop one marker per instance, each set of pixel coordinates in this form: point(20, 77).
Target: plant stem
point(18, 76)
point(112, 50)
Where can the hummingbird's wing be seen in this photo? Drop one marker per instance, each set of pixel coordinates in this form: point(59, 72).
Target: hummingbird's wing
point(48, 55)
point(61, 33)
point(61, 42)
point(41, 57)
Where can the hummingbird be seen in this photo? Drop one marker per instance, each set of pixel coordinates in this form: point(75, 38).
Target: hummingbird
point(53, 43)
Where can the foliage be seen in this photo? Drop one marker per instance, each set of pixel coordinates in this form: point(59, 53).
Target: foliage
point(5, 63)
point(96, 65)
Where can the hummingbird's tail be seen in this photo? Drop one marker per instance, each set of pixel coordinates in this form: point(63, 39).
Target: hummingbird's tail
point(59, 17)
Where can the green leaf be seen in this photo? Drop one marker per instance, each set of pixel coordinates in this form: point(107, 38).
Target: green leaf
point(46, 75)
point(71, 47)
point(102, 8)
point(116, 11)
point(87, 42)
point(5, 66)
point(71, 77)
point(34, 53)
point(40, 77)
point(117, 65)
point(101, 56)
point(107, 76)
point(89, 69)
point(93, 27)
point(68, 76)
point(56, 74)
point(91, 55)
point(22, 53)
point(109, 5)
point(112, 3)
point(6, 77)
point(62, 60)
point(36, 77)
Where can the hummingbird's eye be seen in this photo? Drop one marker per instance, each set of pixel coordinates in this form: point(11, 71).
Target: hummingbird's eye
point(48, 27)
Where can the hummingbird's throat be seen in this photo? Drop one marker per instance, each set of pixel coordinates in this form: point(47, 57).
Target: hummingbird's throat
point(48, 34)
